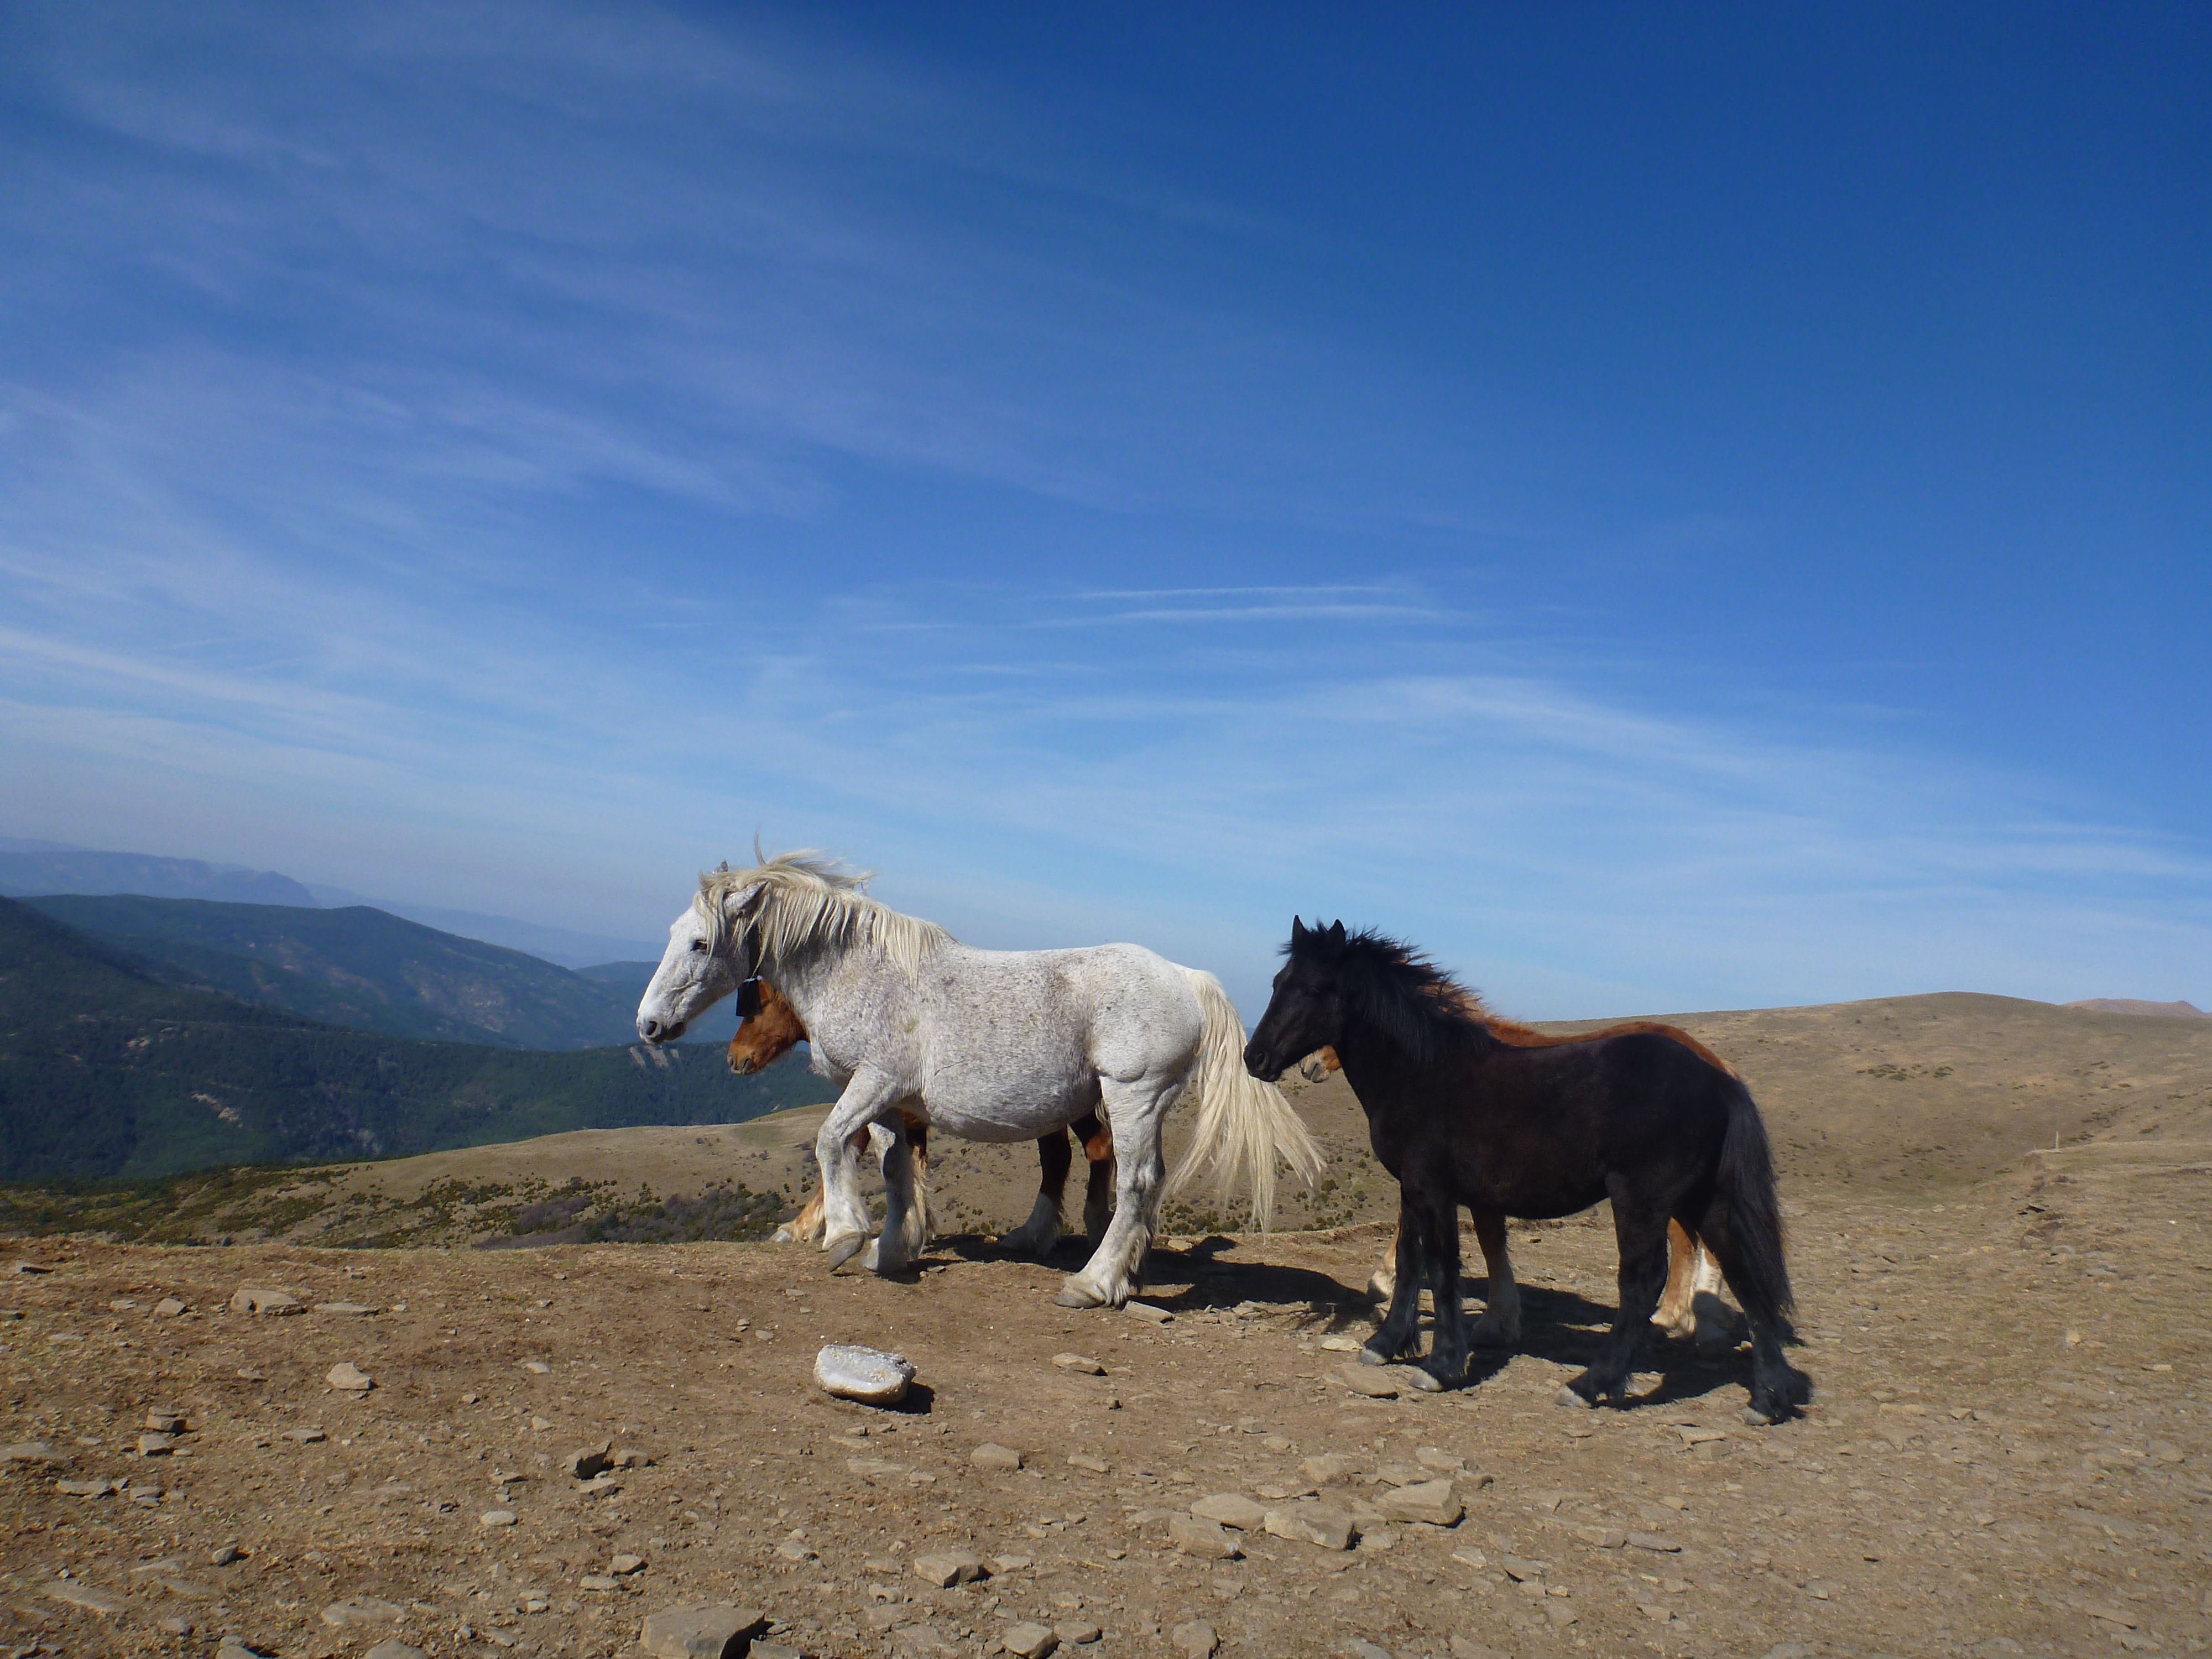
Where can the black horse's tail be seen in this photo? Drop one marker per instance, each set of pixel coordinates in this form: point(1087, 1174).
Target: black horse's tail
point(1759, 1273)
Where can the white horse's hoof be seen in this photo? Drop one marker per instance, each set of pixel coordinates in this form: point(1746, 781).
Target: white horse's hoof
point(785, 1236)
point(1420, 1378)
point(841, 1251)
point(1566, 1396)
point(1075, 1294)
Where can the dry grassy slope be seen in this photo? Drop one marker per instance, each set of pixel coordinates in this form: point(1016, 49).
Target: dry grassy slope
point(1899, 1096)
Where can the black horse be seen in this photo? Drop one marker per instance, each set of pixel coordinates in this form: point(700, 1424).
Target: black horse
point(1464, 1109)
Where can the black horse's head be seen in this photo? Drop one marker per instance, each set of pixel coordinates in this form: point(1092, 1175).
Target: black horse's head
point(1306, 1011)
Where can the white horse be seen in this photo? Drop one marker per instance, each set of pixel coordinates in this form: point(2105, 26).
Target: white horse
point(989, 1045)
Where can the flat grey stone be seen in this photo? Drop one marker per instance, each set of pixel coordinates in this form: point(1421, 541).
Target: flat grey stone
point(349, 1377)
point(1320, 1524)
point(392, 1648)
point(715, 1631)
point(362, 1610)
point(1231, 1509)
point(1433, 1503)
point(992, 1456)
point(1195, 1535)
point(30, 1451)
point(254, 1299)
point(1081, 1363)
point(945, 1568)
point(73, 1592)
point(867, 1375)
point(1194, 1640)
point(1028, 1640)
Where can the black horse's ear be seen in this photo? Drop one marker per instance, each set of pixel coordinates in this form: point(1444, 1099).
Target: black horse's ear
point(1336, 935)
point(1298, 930)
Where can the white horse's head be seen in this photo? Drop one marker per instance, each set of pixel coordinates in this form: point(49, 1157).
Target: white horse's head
point(712, 949)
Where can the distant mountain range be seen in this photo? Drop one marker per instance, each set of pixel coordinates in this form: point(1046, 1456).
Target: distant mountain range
point(2137, 1005)
point(365, 968)
point(34, 868)
point(107, 1069)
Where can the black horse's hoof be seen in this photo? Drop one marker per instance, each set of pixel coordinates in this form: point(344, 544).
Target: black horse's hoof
point(1369, 1355)
point(1574, 1399)
point(1757, 1418)
point(1423, 1380)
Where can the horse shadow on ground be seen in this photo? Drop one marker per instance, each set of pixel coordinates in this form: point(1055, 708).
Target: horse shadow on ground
point(1561, 1327)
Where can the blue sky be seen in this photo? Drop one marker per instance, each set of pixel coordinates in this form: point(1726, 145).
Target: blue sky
point(1670, 508)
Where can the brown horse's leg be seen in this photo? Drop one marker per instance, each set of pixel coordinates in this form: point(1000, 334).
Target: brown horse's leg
point(1676, 1317)
point(1037, 1235)
point(805, 1227)
point(1382, 1283)
point(1500, 1324)
point(1400, 1333)
point(917, 1134)
point(1099, 1192)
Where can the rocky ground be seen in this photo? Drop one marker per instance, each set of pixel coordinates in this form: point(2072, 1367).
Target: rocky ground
point(2008, 1452)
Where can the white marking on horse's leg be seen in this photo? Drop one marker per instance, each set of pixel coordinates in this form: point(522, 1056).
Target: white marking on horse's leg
point(1500, 1324)
point(845, 1219)
point(1133, 1109)
point(1037, 1235)
point(1714, 1324)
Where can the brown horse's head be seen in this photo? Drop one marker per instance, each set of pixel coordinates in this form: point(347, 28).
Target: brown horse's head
point(770, 1032)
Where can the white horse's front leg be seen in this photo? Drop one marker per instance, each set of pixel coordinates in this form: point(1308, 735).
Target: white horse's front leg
point(1133, 1111)
point(845, 1219)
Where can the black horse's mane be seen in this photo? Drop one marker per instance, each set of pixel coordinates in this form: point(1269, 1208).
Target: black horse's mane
point(1404, 997)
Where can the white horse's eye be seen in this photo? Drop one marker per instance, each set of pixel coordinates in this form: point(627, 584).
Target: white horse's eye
point(698, 944)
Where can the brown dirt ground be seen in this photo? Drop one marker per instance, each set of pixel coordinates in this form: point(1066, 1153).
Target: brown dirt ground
point(2008, 1452)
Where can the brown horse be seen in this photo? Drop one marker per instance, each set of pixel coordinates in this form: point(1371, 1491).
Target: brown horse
point(772, 1030)
point(1690, 1309)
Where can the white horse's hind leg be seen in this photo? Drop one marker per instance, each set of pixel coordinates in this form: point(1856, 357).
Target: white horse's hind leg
point(1133, 1111)
point(900, 1240)
point(845, 1219)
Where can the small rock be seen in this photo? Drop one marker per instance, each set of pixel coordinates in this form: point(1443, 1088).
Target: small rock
point(177, 1625)
point(1788, 1650)
point(992, 1456)
point(234, 1647)
point(224, 1556)
point(1231, 1509)
point(304, 1437)
point(760, 1649)
point(30, 1451)
point(1520, 1571)
point(349, 1377)
point(1089, 1461)
point(252, 1299)
point(1432, 1503)
point(1325, 1466)
point(537, 1367)
point(1428, 1457)
point(1077, 1632)
point(628, 1457)
point(1471, 1557)
point(796, 1549)
point(1000, 1564)
point(599, 1582)
point(362, 1610)
point(867, 1375)
point(1082, 1363)
point(352, 1309)
point(1360, 1648)
point(622, 1565)
point(156, 1445)
point(1655, 1543)
point(28, 1267)
point(1150, 1315)
point(945, 1568)
point(715, 1632)
point(1030, 1641)
point(1372, 1382)
point(91, 1598)
point(162, 1420)
point(588, 1461)
point(497, 1518)
point(392, 1648)
point(1319, 1524)
point(1341, 1344)
point(86, 1488)
point(1693, 1436)
point(1195, 1535)
point(1462, 1648)
point(1196, 1639)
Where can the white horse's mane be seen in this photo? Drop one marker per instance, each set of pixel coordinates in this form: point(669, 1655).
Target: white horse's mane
point(807, 895)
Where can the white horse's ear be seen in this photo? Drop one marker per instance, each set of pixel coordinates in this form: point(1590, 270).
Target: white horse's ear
point(737, 906)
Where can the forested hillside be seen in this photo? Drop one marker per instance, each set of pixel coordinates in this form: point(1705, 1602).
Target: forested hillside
point(105, 1070)
point(361, 967)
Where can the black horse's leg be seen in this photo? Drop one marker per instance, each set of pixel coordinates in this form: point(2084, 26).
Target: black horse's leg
point(1448, 1348)
point(1778, 1388)
point(1640, 1229)
point(1399, 1332)
point(1500, 1324)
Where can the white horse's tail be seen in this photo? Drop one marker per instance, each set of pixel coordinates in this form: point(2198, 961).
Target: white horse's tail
point(1243, 1125)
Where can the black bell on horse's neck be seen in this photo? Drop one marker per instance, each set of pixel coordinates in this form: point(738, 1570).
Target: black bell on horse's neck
point(749, 999)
